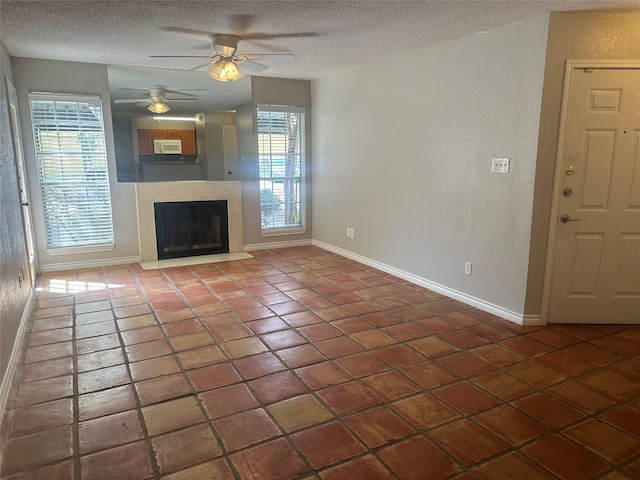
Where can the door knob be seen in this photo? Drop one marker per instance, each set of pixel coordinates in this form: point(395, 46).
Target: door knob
point(566, 218)
point(26, 204)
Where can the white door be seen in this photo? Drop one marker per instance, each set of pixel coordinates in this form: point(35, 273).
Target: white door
point(16, 133)
point(230, 145)
point(596, 266)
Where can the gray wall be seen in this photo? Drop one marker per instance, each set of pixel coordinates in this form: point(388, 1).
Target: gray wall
point(13, 254)
point(572, 36)
point(214, 122)
point(405, 160)
point(80, 78)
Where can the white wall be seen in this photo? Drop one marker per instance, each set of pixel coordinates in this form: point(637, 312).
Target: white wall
point(402, 152)
point(81, 78)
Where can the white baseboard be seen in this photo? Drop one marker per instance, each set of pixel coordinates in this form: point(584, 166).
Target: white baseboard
point(268, 246)
point(5, 386)
point(57, 267)
point(436, 287)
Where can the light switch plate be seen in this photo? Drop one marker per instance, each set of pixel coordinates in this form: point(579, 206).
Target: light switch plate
point(500, 165)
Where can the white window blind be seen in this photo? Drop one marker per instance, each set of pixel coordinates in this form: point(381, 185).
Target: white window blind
point(281, 147)
point(72, 165)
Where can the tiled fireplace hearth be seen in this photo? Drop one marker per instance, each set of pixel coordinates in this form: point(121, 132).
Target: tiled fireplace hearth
point(149, 193)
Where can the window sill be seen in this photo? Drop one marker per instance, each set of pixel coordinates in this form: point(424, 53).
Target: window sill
point(83, 249)
point(276, 232)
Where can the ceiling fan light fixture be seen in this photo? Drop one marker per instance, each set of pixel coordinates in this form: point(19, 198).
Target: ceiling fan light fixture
point(158, 107)
point(225, 69)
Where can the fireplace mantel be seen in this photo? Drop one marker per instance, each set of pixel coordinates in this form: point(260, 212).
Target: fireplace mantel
point(150, 192)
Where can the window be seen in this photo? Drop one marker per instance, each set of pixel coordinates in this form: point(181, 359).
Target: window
point(281, 148)
point(72, 165)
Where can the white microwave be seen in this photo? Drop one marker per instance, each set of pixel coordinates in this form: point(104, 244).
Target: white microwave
point(167, 146)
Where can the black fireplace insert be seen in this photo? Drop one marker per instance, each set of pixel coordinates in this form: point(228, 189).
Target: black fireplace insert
point(185, 229)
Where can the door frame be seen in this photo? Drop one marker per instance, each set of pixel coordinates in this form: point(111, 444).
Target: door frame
point(570, 66)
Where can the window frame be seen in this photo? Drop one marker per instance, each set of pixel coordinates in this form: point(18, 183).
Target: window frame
point(269, 177)
point(71, 161)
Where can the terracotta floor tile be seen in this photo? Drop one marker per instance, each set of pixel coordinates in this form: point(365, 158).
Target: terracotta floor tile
point(195, 444)
point(466, 398)
point(424, 411)
point(258, 365)
point(244, 347)
point(398, 355)
point(390, 386)
point(182, 327)
point(351, 325)
point(245, 428)
point(624, 417)
point(43, 416)
point(267, 325)
point(535, 374)
point(143, 351)
point(32, 451)
point(275, 459)
point(338, 347)
point(378, 426)
point(201, 357)
point(361, 374)
point(347, 398)
point(48, 369)
point(467, 441)
point(373, 338)
point(217, 469)
point(510, 424)
point(322, 375)
point(48, 352)
point(276, 387)
point(109, 431)
point(214, 376)
point(418, 459)
point(526, 346)
point(581, 396)
point(511, 465)
point(299, 412)
point(103, 378)
point(503, 386)
point(605, 440)
point(227, 400)
point(465, 365)
point(361, 364)
point(129, 461)
point(327, 444)
point(105, 402)
point(162, 388)
point(612, 384)
point(564, 458)
point(172, 415)
point(103, 359)
point(548, 410)
point(429, 374)
point(497, 355)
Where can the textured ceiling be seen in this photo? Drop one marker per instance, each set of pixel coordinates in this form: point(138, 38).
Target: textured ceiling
point(325, 36)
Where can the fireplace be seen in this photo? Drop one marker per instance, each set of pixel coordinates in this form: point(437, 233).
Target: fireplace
point(185, 229)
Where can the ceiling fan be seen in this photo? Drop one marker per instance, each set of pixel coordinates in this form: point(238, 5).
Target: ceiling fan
point(226, 64)
point(157, 101)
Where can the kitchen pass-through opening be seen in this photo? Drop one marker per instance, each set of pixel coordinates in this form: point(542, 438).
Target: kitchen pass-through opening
point(185, 229)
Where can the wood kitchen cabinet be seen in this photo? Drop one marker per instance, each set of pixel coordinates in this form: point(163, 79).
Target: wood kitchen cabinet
point(147, 136)
point(145, 142)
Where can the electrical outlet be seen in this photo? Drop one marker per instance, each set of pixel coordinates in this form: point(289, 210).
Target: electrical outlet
point(500, 165)
point(351, 233)
point(348, 232)
point(467, 268)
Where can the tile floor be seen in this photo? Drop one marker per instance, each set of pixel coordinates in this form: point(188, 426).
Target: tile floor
point(303, 364)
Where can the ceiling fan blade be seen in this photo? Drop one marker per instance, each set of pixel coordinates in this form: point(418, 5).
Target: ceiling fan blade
point(271, 57)
point(180, 56)
point(179, 99)
point(128, 100)
point(189, 31)
point(199, 67)
point(271, 36)
point(252, 67)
